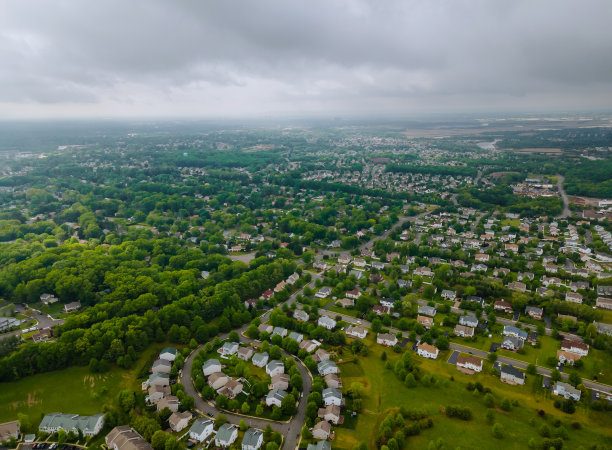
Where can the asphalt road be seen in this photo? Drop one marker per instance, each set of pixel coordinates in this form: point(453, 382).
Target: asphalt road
point(43, 321)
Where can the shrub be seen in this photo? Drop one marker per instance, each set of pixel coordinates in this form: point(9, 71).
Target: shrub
point(459, 412)
point(498, 431)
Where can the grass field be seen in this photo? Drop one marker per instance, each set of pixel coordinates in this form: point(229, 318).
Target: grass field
point(384, 392)
point(71, 390)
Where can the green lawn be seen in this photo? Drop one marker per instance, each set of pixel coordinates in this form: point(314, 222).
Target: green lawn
point(346, 312)
point(384, 392)
point(71, 390)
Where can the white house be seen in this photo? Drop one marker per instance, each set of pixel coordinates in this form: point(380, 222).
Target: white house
point(327, 367)
point(580, 348)
point(260, 359)
point(226, 435)
point(566, 390)
point(324, 292)
point(168, 353)
point(356, 332)
point(427, 351)
point(332, 396)
point(275, 397)
point(327, 322)
point(179, 420)
point(211, 366)
point(201, 429)
point(386, 339)
point(252, 440)
point(469, 363)
point(275, 367)
point(228, 349)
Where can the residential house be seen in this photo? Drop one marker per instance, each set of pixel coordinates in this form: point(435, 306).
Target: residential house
point(449, 295)
point(511, 343)
point(300, 315)
point(231, 389)
point(463, 331)
point(573, 297)
point(160, 379)
point(309, 345)
point(171, 402)
point(42, 335)
point(469, 364)
point(603, 328)
point(9, 430)
point(228, 349)
point(514, 331)
point(332, 381)
point(423, 272)
point(574, 346)
point(517, 286)
point(293, 278)
point(321, 430)
point(386, 339)
point(356, 332)
point(211, 366)
point(265, 328)
point(327, 367)
point(260, 359)
point(275, 397)
point(503, 306)
point(321, 355)
point(330, 414)
point(88, 425)
point(346, 302)
point(603, 303)
point(332, 396)
point(125, 438)
point(469, 320)
point(297, 337)
point(275, 367)
point(280, 331)
point(327, 322)
point(279, 382)
point(380, 310)
point(226, 435)
point(427, 310)
point(168, 353)
point(72, 306)
point(427, 322)
point(324, 292)
point(566, 390)
point(267, 295)
point(482, 257)
point(534, 312)
point(511, 375)
point(217, 380)
point(156, 393)
point(250, 303)
point(48, 299)
point(161, 366)
point(427, 351)
point(566, 357)
point(245, 353)
point(252, 439)
point(354, 294)
point(280, 286)
point(201, 429)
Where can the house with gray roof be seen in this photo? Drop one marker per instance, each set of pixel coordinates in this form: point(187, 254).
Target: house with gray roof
point(168, 353)
point(88, 425)
point(161, 366)
point(332, 396)
point(427, 310)
point(275, 397)
point(226, 435)
point(260, 359)
point(275, 367)
point(321, 445)
point(201, 429)
point(468, 321)
point(327, 367)
point(298, 337)
point(252, 440)
point(228, 349)
point(567, 391)
point(300, 315)
point(211, 366)
point(514, 331)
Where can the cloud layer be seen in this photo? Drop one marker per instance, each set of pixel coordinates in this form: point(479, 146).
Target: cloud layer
point(265, 58)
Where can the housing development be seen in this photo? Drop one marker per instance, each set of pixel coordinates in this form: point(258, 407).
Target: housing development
point(309, 287)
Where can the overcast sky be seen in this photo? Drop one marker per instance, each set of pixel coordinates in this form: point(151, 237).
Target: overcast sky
point(223, 58)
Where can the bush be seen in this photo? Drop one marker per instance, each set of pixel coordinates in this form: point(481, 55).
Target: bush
point(459, 412)
point(506, 405)
point(498, 431)
point(489, 401)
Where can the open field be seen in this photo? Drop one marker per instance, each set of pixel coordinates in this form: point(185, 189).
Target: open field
point(384, 392)
point(71, 390)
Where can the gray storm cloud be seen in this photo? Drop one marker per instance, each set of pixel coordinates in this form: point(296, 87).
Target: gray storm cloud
point(230, 58)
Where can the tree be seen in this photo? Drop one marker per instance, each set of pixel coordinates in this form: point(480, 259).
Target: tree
point(492, 357)
point(245, 408)
point(126, 400)
point(442, 343)
point(220, 420)
point(574, 379)
point(498, 431)
point(158, 440)
point(489, 401)
point(506, 405)
point(555, 375)
point(288, 405)
point(410, 381)
point(531, 369)
point(259, 410)
point(243, 425)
